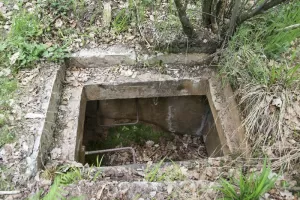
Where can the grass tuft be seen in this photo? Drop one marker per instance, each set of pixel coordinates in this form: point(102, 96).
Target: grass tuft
point(169, 173)
point(250, 187)
point(261, 63)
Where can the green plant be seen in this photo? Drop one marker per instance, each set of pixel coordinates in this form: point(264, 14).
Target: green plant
point(61, 179)
point(22, 47)
point(6, 135)
point(5, 183)
point(122, 20)
point(250, 187)
point(62, 7)
point(168, 173)
point(98, 165)
point(7, 88)
point(73, 174)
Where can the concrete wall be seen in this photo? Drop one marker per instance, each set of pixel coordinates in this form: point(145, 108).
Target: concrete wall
point(174, 114)
point(181, 115)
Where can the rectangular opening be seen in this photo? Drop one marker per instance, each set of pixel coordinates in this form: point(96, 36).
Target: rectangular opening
point(126, 131)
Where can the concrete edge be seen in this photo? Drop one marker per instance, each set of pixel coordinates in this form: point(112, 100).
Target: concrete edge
point(227, 118)
point(122, 55)
point(45, 134)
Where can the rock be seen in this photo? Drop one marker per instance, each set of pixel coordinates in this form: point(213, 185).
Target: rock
point(2, 119)
point(277, 102)
point(134, 75)
point(55, 153)
point(152, 194)
point(149, 143)
point(58, 23)
point(16, 7)
point(14, 57)
point(169, 189)
point(34, 116)
point(128, 73)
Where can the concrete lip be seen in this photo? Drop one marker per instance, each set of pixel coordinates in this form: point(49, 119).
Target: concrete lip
point(223, 139)
point(100, 76)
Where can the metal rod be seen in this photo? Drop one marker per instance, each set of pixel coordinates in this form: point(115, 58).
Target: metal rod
point(126, 124)
point(111, 150)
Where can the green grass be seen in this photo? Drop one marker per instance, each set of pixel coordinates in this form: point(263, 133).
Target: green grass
point(7, 88)
point(169, 173)
point(250, 187)
point(22, 47)
point(62, 178)
point(266, 30)
point(262, 62)
point(5, 184)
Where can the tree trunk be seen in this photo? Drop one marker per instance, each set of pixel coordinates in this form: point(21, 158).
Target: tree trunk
point(187, 27)
point(206, 8)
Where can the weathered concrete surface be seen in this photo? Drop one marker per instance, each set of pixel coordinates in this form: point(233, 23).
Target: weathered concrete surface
point(106, 56)
point(84, 84)
point(182, 115)
point(226, 115)
point(173, 59)
point(142, 190)
point(146, 89)
point(45, 135)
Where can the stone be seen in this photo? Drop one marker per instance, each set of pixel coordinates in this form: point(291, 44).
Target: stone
point(34, 116)
point(152, 194)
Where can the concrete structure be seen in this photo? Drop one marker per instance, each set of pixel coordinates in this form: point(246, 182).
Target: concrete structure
point(92, 76)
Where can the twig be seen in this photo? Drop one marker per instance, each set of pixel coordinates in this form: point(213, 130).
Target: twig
point(9, 192)
point(291, 27)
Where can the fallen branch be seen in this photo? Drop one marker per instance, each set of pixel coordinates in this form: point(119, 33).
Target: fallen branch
point(288, 28)
point(9, 192)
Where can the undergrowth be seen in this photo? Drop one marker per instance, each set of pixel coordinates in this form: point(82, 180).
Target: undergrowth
point(264, 75)
point(169, 173)
point(248, 187)
point(65, 175)
point(7, 88)
point(262, 64)
point(23, 47)
point(61, 178)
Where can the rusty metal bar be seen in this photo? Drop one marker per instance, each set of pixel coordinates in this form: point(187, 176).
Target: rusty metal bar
point(126, 124)
point(112, 150)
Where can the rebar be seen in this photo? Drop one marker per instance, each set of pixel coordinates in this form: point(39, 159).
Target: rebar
point(112, 150)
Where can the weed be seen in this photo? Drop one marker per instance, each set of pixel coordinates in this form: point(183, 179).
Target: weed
point(259, 67)
point(8, 86)
point(6, 135)
point(122, 20)
point(248, 188)
point(62, 7)
point(5, 184)
point(20, 48)
point(169, 173)
point(98, 165)
point(61, 178)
